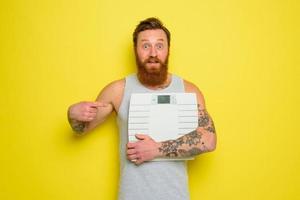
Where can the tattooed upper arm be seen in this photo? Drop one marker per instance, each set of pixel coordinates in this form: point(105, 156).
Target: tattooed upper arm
point(205, 121)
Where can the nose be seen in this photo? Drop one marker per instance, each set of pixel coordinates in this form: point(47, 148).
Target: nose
point(153, 52)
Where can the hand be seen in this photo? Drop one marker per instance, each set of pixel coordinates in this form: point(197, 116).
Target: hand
point(143, 150)
point(85, 111)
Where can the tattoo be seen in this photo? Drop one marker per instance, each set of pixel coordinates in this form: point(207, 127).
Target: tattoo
point(193, 138)
point(205, 121)
point(203, 118)
point(174, 148)
point(79, 127)
point(192, 143)
point(211, 128)
point(191, 152)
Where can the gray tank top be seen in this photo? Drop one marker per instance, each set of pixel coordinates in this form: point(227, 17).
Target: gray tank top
point(163, 180)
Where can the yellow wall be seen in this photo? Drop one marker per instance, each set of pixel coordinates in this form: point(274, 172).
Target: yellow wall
point(243, 55)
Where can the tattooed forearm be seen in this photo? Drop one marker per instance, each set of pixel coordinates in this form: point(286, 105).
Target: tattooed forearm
point(191, 152)
point(188, 145)
point(196, 142)
point(205, 121)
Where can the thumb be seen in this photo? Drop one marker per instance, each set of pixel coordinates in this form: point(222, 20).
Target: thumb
point(141, 136)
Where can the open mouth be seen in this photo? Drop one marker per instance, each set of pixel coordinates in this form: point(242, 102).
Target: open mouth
point(153, 61)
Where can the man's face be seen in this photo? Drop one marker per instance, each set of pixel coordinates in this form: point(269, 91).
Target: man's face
point(152, 53)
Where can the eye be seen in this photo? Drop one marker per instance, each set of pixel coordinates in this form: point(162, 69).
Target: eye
point(159, 46)
point(146, 46)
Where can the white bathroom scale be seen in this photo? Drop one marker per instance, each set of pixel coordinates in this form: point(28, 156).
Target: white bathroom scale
point(162, 116)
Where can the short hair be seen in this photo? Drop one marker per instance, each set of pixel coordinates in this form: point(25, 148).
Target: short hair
point(151, 23)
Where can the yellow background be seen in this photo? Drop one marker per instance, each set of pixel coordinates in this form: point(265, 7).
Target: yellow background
point(243, 55)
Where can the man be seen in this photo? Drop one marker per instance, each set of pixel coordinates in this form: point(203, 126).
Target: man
point(140, 178)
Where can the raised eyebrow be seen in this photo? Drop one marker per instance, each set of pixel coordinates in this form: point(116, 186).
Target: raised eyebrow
point(145, 40)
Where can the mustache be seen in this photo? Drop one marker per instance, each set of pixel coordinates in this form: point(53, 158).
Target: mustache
point(153, 60)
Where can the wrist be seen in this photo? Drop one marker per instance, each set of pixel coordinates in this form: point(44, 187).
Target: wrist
point(158, 153)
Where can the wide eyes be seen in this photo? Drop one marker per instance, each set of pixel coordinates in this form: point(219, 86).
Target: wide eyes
point(147, 46)
point(159, 46)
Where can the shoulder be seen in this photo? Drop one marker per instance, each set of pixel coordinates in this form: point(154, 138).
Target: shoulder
point(113, 89)
point(116, 85)
point(192, 88)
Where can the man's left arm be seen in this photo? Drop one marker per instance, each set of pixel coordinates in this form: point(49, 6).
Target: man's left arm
point(201, 140)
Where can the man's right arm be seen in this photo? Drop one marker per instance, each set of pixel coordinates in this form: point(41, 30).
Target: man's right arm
point(85, 116)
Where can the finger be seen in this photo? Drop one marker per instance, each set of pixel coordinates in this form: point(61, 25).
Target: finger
point(88, 114)
point(139, 161)
point(91, 119)
point(131, 151)
point(141, 136)
point(92, 110)
point(132, 157)
point(131, 145)
point(87, 119)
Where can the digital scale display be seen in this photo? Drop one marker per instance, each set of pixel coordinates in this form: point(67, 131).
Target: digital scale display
point(163, 99)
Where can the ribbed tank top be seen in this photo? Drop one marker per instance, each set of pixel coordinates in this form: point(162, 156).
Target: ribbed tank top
point(158, 180)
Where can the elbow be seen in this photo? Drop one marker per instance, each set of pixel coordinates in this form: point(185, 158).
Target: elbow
point(209, 140)
point(212, 145)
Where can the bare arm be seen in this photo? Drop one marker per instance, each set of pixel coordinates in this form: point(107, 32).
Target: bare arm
point(81, 115)
point(85, 116)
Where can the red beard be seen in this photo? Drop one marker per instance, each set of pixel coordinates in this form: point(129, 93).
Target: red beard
point(152, 77)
